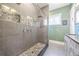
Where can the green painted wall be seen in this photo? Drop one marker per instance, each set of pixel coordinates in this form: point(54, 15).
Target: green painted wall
point(57, 32)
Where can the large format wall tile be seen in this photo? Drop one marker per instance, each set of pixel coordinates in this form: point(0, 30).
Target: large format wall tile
point(14, 39)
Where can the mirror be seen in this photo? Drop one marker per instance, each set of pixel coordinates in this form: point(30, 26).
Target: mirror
point(77, 21)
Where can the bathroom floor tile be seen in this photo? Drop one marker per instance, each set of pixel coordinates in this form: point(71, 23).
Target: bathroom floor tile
point(55, 49)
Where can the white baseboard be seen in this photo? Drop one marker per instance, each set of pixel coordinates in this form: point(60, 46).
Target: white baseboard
point(58, 42)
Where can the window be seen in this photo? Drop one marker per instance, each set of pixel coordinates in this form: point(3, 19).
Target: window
point(55, 19)
point(77, 23)
point(77, 17)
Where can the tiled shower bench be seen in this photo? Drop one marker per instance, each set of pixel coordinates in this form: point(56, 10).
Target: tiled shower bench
point(36, 50)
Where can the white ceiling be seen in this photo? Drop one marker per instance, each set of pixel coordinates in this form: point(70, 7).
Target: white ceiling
point(41, 5)
point(25, 9)
point(55, 6)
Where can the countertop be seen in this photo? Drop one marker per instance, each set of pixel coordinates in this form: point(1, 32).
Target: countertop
point(73, 37)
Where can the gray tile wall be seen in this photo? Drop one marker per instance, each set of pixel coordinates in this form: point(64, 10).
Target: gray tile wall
point(14, 40)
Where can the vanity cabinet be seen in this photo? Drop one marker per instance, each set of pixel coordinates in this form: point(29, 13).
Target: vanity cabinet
point(71, 45)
